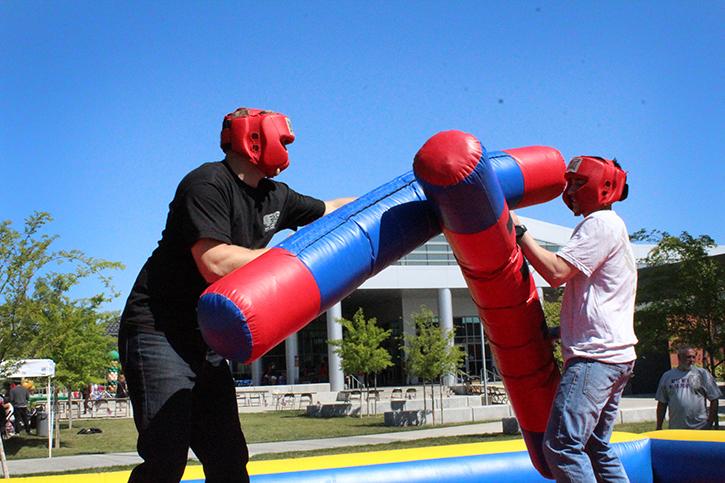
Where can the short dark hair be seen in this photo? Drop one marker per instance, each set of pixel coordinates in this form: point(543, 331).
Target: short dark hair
point(684, 348)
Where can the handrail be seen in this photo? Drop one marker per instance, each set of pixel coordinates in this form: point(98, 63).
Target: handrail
point(354, 382)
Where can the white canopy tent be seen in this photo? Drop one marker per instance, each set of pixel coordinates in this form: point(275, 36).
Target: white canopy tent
point(35, 368)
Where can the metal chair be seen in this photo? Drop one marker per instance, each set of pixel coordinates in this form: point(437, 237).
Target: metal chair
point(411, 393)
point(397, 393)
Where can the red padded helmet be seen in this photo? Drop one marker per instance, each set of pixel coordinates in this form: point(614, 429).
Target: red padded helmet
point(260, 136)
point(604, 182)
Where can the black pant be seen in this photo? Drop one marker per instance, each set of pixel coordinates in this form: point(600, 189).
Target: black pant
point(21, 415)
point(183, 396)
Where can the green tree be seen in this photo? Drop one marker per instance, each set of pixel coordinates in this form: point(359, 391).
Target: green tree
point(72, 332)
point(38, 316)
point(34, 277)
point(360, 348)
point(431, 353)
point(681, 297)
point(552, 314)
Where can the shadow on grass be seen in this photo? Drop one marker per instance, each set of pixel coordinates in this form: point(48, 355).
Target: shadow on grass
point(293, 415)
point(16, 443)
point(371, 421)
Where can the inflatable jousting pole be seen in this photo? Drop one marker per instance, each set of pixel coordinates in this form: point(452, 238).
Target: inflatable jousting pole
point(251, 310)
point(459, 179)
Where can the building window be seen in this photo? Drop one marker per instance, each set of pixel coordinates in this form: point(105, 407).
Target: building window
point(437, 251)
point(468, 336)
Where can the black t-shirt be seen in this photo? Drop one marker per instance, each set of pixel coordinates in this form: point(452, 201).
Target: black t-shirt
point(210, 202)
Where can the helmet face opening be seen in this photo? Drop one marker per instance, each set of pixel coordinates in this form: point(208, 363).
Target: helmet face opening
point(593, 183)
point(261, 136)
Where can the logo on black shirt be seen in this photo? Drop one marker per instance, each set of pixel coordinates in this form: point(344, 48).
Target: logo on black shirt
point(270, 221)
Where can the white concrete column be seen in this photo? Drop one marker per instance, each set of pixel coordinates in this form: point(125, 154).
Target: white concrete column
point(257, 372)
point(484, 375)
point(445, 316)
point(410, 305)
point(291, 354)
point(334, 331)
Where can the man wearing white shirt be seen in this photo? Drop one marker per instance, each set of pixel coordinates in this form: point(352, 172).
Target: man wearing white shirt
point(686, 389)
point(597, 326)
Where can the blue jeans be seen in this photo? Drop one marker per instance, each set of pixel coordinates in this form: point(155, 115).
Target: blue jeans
point(576, 441)
point(183, 396)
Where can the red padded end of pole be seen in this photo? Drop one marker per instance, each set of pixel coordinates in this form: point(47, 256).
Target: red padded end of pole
point(543, 170)
point(447, 158)
point(277, 287)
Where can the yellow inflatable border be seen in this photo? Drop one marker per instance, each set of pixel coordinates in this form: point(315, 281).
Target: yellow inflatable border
point(335, 461)
point(687, 435)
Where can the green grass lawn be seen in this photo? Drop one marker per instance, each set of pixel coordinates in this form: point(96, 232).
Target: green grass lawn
point(119, 435)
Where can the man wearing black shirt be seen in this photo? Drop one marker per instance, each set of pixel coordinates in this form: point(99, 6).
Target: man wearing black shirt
point(222, 216)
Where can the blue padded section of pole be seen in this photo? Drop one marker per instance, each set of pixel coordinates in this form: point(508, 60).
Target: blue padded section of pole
point(509, 176)
point(471, 205)
point(361, 238)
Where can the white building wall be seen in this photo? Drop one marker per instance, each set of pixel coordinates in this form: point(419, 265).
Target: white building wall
point(412, 300)
point(463, 306)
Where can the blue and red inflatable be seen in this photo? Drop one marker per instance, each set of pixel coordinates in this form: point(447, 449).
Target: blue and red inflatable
point(458, 177)
point(461, 190)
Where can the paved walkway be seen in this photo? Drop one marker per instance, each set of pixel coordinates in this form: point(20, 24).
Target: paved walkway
point(68, 463)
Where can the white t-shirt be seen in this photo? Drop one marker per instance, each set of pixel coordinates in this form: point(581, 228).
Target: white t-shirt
point(686, 392)
point(597, 312)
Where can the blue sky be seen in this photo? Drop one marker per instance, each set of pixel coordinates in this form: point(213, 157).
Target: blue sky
point(106, 105)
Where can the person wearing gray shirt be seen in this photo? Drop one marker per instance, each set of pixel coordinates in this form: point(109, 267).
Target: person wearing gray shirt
point(19, 397)
point(686, 390)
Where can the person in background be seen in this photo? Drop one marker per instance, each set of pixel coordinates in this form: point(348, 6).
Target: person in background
point(121, 387)
point(5, 410)
point(86, 394)
point(686, 390)
point(269, 378)
point(19, 397)
point(597, 322)
point(222, 217)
